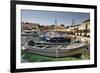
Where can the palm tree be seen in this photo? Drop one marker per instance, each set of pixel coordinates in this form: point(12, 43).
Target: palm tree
point(86, 29)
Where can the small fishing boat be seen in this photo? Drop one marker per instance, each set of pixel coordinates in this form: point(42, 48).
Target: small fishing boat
point(57, 50)
point(57, 46)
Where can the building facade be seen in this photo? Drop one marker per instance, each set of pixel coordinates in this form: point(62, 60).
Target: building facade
point(82, 29)
point(25, 26)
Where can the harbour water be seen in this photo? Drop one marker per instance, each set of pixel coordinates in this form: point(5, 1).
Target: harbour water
point(45, 46)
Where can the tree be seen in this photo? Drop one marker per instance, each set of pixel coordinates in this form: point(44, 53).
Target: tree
point(86, 29)
point(62, 25)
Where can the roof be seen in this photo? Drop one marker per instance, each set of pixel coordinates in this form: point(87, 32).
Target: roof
point(86, 21)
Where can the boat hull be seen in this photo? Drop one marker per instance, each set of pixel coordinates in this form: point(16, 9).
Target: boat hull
point(57, 52)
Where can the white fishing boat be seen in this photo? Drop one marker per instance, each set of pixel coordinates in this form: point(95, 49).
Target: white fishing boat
point(57, 46)
point(57, 51)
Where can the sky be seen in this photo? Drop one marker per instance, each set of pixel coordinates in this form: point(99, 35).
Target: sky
point(49, 17)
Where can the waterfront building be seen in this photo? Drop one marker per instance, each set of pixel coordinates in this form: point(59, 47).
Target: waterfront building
point(84, 29)
point(26, 26)
point(59, 28)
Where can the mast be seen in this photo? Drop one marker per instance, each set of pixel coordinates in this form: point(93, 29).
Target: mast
point(73, 23)
point(55, 22)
